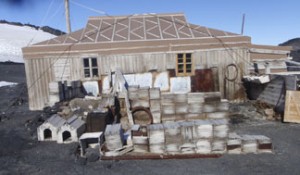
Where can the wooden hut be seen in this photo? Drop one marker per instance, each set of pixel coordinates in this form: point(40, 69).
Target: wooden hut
point(156, 50)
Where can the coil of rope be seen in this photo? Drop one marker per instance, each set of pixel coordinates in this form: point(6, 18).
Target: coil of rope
point(227, 72)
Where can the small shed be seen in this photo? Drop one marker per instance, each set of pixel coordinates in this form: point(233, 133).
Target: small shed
point(48, 130)
point(71, 130)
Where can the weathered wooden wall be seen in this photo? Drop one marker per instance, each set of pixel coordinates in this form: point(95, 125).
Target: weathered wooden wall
point(41, 71)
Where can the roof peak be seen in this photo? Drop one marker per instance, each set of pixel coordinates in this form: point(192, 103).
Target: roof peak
point(136, 15)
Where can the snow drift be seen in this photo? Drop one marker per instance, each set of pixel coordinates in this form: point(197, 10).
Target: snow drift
point(13, 38)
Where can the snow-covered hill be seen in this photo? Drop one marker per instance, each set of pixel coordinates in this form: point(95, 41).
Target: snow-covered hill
point(13, 38)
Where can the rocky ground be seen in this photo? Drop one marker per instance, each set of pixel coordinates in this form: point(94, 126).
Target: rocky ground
point(21, 153)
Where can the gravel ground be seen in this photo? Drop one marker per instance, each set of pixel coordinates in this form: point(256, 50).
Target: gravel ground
point(21, 153)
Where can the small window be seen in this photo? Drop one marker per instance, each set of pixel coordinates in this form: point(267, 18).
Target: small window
point(184, 64)
point(90, 67)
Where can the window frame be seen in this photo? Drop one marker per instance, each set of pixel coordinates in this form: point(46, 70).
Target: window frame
point(184, 70)
point(90, 67)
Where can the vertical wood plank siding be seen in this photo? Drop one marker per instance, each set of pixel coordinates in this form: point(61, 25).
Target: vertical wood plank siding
point(39, 73)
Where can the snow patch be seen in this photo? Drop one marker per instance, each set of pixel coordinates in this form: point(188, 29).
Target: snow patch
point(5, 83)
point(14, 38)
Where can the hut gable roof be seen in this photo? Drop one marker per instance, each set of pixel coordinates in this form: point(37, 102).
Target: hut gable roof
point(147, 27)
point(75, 122)
point(56, 121)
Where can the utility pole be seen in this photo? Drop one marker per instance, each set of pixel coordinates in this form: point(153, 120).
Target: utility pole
point(243, 23)
point(67, 16)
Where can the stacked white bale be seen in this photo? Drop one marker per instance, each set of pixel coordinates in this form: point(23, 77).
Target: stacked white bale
point(217, 115)
point(264, 144)
point(216, 106)
point(156, 117)
point(168, 107)
point(220, 132)
point(173, 139)
point(211, 101)
point(249, 144)
point(143, 93)
point(224, 105)
point(140, 144)
point(188, 146)
point(155, 106)
point(156, 138)
point(203, 129)
point(203, 134)
point(234, 143)
point(203, 146)
point(53, 93)
point(218, 146)
point(133, 92)
point(220, 128)
point(192, 117)
point(139, 139)
point(113, 137)
point(195, 98)
point(154, 93)
point(195, 106)
point(167, 98)
point(139, 97)
point(181, 106)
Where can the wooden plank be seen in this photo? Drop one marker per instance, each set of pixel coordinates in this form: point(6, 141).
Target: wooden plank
point(292, 107)
point(143, 156)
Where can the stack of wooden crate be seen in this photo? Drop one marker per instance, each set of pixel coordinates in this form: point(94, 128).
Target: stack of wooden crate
point(203, 135)
point(220, 132)
point(193, 106)
point(264, 144)
point(256, 144)
point(168, 107)
point(188, 146)
point(113, 137)
point(248, 144)
point(173, 138)
point(234, 143)
point(155, 106)
point(139, 96)
point(140, 139)
point(156, 138)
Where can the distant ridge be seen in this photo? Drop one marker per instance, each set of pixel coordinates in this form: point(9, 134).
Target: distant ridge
point(43, 28)
point(295, 53)
point(295, 43)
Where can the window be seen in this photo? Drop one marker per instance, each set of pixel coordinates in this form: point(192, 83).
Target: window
point(90, 67)
point(184, 64)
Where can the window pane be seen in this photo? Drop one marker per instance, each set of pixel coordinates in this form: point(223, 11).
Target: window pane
point(180, 60)
point(95, 72)
point(188, 55)
point(87, 73)
point(180, 67)
point(94, 62)
point(188, 68)
point(86, 62)
point(188, 60)
point(180, 55)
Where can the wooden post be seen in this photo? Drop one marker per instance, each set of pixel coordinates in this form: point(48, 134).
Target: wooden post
point(68, 23)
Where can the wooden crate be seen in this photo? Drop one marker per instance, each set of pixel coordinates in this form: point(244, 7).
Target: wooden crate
point(292, 107)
